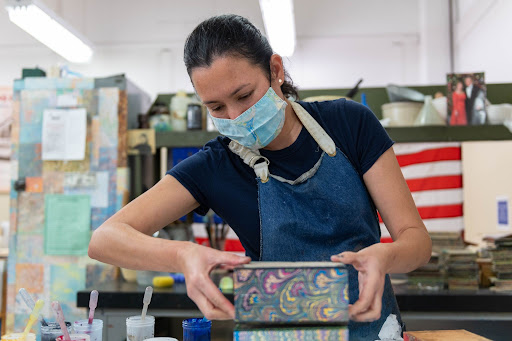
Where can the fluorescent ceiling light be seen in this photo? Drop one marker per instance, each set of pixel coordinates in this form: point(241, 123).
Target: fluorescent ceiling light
point(47, 27)
point(279, 23)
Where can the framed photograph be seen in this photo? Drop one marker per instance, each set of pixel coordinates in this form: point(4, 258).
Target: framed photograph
point(141, 141)
point(466, 97)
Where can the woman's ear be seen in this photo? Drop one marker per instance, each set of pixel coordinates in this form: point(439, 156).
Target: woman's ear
point(276, 69)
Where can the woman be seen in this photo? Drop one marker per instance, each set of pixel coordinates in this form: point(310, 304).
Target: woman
point(459, 106)
point(291, 188)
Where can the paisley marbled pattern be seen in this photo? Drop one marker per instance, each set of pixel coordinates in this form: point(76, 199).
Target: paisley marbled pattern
point(296, 334)
point(291, 295)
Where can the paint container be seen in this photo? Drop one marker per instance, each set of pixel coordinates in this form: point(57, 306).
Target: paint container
point(19, 337)
point(94, 330)
point(138, 329)
point(53, 331)
point(161, 339)
point(75, 337)
point(196, 329)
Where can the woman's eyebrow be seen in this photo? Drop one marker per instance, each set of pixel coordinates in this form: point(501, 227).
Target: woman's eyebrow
point(232, 94)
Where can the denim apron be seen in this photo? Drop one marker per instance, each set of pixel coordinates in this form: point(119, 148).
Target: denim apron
point(325, 211)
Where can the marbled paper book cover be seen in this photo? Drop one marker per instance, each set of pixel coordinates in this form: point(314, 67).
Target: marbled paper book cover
point(291, 292)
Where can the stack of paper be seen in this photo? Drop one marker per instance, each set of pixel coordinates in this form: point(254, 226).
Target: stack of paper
point(446, 240)
point(502, 264)
point(461, 269)
point(429, 276)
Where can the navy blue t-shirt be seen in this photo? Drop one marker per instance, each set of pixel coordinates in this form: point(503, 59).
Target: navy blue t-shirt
point(218, 179)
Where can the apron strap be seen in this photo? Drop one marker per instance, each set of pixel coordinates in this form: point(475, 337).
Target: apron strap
point(251, 157)
point(317, 132)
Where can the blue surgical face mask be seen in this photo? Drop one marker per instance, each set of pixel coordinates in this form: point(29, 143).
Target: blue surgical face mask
point(257, 126)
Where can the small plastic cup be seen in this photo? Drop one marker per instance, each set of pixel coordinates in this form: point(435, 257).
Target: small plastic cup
point(138, 329)
point(94, 330)
point(53, 331)
point(19, 337)
point(196, 329)
point(75, 337)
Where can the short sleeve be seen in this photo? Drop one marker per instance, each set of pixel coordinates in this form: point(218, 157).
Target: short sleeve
point(370, 138)
point(195, 174)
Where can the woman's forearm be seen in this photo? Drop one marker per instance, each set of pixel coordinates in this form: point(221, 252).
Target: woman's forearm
point(409, 251)
point(121, 245)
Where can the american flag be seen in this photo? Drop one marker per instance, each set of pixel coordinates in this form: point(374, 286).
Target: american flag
point(433, 172)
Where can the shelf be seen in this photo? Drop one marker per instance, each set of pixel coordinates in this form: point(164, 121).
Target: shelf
point(193, 138)
point(398, 134)
point(446, 134)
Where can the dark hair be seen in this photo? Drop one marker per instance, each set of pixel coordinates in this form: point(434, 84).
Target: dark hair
point(231, 34)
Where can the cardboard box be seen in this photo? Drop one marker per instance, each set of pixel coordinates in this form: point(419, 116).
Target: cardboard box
point(291, 292)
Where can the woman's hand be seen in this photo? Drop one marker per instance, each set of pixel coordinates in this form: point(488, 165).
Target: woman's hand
point(197, 263)
point(371, 264)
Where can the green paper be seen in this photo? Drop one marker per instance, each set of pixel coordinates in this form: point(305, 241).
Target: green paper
point(67, 224)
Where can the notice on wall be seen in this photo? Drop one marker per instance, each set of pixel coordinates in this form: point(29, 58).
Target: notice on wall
point(67, 226)
point(64, 134)
point(503, 213)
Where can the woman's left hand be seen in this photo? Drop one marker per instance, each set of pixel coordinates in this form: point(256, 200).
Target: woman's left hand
point(370, 264)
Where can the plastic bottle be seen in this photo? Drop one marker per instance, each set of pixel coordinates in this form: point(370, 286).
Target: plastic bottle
point(178, 110)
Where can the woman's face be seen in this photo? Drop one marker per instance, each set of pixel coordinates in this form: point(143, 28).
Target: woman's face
point(232, 84)
point(458, 87)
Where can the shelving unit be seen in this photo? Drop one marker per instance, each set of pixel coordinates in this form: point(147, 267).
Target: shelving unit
point(398, 134)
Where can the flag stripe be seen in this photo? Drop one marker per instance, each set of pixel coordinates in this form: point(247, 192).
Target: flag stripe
point(445, 211)
point(411, 148)
point(438, 197)
point(435, 182)
point(430, 155)
point(433, 169)
point(455, 224)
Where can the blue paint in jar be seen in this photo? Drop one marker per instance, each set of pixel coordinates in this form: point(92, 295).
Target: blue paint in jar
point(196, 329)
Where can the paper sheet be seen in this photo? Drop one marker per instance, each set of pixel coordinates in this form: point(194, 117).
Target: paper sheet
point(64, 134)
point(67, 228)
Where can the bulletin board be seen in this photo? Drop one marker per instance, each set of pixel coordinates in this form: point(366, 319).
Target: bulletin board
point(63, 201)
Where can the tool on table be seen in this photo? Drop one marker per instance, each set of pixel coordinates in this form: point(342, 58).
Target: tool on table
point(33, 317)
point(93, 303)
point(29, 301)
point(146, 300)
point(59, 316)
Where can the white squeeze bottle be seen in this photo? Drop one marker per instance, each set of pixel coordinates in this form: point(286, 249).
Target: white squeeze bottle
point(178, 109)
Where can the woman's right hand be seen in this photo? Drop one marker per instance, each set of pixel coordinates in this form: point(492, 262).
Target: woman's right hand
point(197, 263)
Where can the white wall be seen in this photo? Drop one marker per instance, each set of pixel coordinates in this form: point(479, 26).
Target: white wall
point(482, 38)
point(338, 41)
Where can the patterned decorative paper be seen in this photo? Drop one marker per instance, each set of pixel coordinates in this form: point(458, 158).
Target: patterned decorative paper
point(281, 295)
point(29, 160)
point(31, 213)
point(53, 182)
point(108, 99)
point(34, 184)
point(34, 252)
point(30, 277)
point(33, 103)
point(295, 333)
